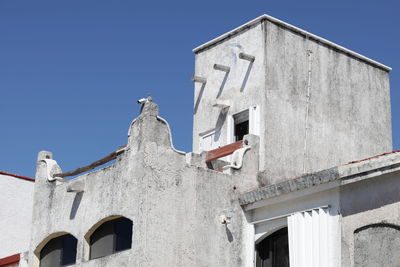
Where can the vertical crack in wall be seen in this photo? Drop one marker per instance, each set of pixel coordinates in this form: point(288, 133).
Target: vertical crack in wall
point(308, 95)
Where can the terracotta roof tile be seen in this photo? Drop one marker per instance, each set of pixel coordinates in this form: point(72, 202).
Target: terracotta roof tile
point(373, 157)
point(18, 176)
point(10, 260)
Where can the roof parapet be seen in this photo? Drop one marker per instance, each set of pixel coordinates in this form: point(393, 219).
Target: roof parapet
point(307, 34)
point(348, 173)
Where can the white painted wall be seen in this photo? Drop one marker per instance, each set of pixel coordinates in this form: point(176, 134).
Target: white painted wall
point(242, 87)
point(16, 200)
point(315, 112)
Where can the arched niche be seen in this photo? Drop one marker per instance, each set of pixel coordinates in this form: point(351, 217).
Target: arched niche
point(377, 245)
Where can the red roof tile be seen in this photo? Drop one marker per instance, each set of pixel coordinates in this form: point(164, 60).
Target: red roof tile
point(10, 260)
point(373, 157)
point(18, 176)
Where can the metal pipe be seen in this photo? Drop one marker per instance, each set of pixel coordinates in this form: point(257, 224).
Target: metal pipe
point(222, 67)
point(99, 162)
point(247, 57)
point(198, 79)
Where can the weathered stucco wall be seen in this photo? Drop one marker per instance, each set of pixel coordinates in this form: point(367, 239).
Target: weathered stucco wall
point(175, 207)
point(370, 221)
point(176, 202)
point(243, 85)
point(377, 245)
point(15, 213)
point(362, 197)
point(349, 106)
point(320, 106)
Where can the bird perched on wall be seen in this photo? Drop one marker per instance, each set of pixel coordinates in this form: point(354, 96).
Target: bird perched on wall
point(143, 101)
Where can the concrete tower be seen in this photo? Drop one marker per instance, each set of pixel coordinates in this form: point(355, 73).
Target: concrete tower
point(313, 104)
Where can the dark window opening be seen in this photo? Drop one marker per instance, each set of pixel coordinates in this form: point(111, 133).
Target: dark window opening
point(60, 251)
point(241, 129)
point(111, 237)
point(241, 125)
point(273, 251)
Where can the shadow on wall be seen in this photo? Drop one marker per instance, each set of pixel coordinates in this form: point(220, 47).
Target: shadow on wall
point(199, 96)
point(75, 205)
point(221, 88)
point(370, 194)
point(220, 122)
point(228, 234)
point(246, 76)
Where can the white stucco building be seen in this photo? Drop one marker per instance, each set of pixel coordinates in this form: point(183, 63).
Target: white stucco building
point(16, 200)
point(292, 165)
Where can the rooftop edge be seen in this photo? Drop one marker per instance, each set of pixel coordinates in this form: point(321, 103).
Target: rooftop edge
point(18, 176)
point(293, 28)
point(347, 173)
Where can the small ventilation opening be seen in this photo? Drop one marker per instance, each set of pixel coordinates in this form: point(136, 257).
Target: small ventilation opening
point(241, 121)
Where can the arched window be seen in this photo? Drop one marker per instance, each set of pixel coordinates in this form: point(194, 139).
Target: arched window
point(110, 237)
point(273, 251)
point(59, 251)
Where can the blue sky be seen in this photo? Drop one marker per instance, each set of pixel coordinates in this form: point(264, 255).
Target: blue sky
point(71, 71)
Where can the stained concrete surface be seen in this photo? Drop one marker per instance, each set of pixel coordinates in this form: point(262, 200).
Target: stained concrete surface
point(377, 245)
